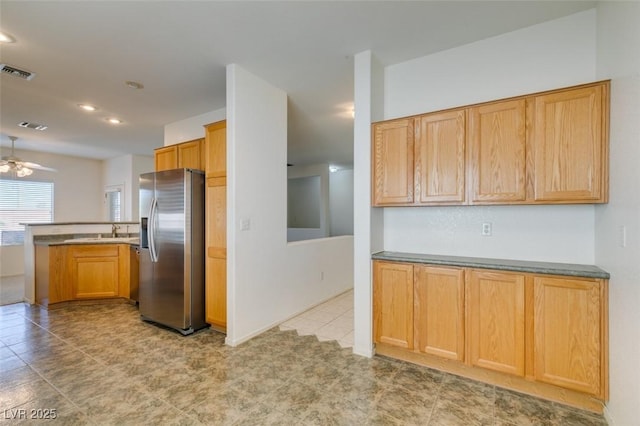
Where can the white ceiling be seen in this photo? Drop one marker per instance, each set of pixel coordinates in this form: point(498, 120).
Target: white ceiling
point(84, 51)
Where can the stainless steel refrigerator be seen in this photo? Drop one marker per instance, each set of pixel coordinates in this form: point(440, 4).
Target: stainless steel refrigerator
point(171, 291)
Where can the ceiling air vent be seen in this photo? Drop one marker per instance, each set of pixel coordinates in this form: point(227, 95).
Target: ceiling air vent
point(34, 126)
point(8, 69)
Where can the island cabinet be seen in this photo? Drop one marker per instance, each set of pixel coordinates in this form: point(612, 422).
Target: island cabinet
point(188, 155)
point(538, 333)
point(543, 148)
point(216, 225)
point(71, 272)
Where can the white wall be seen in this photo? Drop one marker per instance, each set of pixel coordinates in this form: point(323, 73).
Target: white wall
point(77, 196)
point(619, 59)
point(321, 170)
point(341, 202)
point(368, 222)
point(191, 128)
point(546, 56)
point(125, 170)
point(139, 164)
point(269, 280)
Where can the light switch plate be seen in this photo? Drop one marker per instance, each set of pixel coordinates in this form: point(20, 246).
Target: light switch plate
point(245, 224)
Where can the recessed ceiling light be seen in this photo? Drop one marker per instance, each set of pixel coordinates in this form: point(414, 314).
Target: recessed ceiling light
point(114, 121)
point(6, 38)
point(87, 107)
point(134, 85)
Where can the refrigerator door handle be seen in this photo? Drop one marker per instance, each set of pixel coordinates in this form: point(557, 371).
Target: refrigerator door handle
point(152, 230)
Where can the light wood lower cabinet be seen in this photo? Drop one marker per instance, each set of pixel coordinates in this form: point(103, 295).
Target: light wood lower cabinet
point(545, 335)
point(80, 272)
point(216, 261)
point(439, 311)
point(93, 271)
point(495, 311)
point(570, 337)
point(393, 304)
point(216, 225)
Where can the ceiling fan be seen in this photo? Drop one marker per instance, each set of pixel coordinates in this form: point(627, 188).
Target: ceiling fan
point(12, 164)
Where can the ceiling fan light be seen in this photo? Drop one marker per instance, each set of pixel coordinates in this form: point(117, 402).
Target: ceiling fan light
point(24, 171)
point(6, 38)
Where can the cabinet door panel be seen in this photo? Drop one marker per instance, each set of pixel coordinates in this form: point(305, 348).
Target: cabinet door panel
point(95, 277)
point(496, 321)
point(439, 311)
point(497, 152)
point(440, 162)
point(569, 142)
point(393, 304)
point(567, 328)
point(216, 263)
point(189, 154)
point(166, 158)
point(216, 149)
point(393, 162)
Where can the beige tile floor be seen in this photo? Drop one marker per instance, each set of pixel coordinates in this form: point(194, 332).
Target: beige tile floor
point(331, 320)
point(102, 365)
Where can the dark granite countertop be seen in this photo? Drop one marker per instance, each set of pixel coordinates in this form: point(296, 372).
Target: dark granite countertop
point(66, 239)
point(549, 268)
point(78, 223)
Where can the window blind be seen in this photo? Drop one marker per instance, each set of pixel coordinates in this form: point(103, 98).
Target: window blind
point(23, 201)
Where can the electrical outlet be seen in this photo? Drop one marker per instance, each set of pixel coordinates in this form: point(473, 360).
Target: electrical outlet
point(321, 275)
point(245, 224)
point(486, 229)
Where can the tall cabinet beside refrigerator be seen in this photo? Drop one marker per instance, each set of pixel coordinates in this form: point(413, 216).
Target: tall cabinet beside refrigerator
point(171, 291)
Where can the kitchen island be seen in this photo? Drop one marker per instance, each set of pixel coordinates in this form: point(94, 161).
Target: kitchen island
point(81, 269)
point(57, 233)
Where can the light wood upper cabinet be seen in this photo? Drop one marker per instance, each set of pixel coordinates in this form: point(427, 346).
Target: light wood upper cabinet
point(393, 168)
point(496, 318)
point(545, 148)
point(216, 149)
point(440, 157)
point(570, 333)
point(569, 140)
point(497, 161)
point(166, 158)
point(393, 303)
point(188, 155)
point(439, 311)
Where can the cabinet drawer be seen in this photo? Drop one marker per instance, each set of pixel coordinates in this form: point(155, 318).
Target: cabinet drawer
point(106, 250)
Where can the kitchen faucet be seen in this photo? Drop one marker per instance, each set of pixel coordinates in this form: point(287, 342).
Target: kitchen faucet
point(114, 230)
